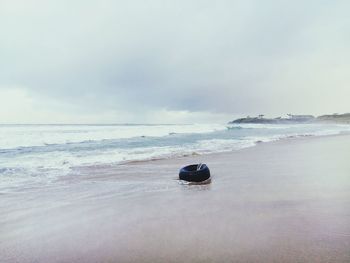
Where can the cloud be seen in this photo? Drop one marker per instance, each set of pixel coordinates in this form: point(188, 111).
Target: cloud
point(227, 57)
point(18, 106)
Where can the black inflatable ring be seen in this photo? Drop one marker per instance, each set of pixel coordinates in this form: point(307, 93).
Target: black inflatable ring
point(195, 173)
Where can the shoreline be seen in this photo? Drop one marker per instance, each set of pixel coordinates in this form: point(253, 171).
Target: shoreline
point(283, 201)
point(288, 139)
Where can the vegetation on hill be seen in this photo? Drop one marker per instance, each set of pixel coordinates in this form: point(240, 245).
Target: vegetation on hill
point(334, 118)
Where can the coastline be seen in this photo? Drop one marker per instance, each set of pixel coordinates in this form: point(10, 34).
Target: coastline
point(281, 201)
point(258, 143)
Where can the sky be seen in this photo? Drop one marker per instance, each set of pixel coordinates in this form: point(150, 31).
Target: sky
point(160, 61)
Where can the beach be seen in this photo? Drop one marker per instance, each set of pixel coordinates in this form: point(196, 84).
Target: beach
point(283, 201)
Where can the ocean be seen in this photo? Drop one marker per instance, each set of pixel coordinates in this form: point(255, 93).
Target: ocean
point(47, 152)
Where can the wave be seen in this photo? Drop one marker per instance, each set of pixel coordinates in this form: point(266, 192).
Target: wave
point(52, 160)
point(41, 135)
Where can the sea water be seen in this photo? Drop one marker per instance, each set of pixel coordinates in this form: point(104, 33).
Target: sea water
point(46, 152)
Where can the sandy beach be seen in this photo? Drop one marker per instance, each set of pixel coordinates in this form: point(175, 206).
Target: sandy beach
point(285, 201)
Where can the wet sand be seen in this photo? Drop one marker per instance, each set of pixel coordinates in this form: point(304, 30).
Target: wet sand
point(287, 201)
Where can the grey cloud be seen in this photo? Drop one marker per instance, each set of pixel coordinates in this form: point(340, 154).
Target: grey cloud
point(222, 56)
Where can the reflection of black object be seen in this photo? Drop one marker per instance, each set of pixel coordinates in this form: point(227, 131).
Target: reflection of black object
point(194, 173)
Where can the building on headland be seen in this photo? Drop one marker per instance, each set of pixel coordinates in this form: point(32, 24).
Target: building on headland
point(279, 120)
point(334, 118)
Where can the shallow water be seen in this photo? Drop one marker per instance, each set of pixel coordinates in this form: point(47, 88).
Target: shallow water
point(40, 154)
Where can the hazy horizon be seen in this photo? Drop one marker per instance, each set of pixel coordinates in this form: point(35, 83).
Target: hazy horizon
point(76, 62)
point(153, 123)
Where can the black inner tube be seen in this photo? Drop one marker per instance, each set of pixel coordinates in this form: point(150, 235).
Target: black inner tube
point(191, 174)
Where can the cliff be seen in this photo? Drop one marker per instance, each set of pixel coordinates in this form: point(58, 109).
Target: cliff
point(336, 118)
point(291, 119)
point(295, 119)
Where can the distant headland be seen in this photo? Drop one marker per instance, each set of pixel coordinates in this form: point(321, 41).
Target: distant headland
point(295, 119)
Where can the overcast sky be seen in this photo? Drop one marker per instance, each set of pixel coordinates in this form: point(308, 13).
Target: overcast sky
point(171, 61)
